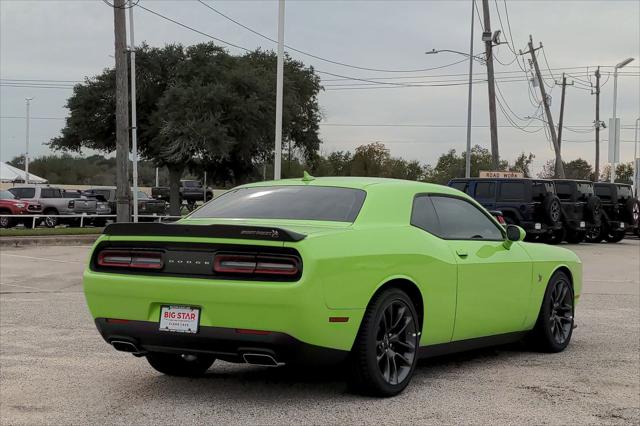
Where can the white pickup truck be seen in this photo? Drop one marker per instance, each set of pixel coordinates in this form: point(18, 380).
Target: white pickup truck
point(54, 202)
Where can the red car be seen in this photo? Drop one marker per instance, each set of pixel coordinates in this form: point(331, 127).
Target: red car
point(9, 205)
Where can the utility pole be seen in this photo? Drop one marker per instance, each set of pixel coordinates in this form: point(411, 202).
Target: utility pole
point(26, 154)
point(277, 164)
point(560, 120)
point(134, 117)
point(467, 159)
point(122, 112)
point(598, 125)
point(493, 123)
point(559, 168)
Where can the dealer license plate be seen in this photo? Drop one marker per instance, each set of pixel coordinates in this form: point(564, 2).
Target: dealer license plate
point(180, 319)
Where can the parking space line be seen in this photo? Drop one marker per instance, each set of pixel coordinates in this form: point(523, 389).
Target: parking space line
point(40, 258)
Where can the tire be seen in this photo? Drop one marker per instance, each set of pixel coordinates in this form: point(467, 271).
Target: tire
point(7, 222)
point(180, 365)
point(552, 209)
point(50, 221)
point(594, 235)
point(633, 211)
point(594, 210)
point(385, 351)
point(556, 236)
point(614, 236)
point(575, 237)
point(554, 327)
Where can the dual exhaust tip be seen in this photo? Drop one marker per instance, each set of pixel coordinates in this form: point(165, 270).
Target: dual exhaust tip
point(253, 358)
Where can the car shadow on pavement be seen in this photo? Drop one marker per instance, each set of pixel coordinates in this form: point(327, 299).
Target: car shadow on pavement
point(240, 381)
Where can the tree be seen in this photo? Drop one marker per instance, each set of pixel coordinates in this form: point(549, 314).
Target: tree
point(522, 164)
point(452, 165)
point(200, 108)
point(369, 160)
point(624, 173)
point(575, 169)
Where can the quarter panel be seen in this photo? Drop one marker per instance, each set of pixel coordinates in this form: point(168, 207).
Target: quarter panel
point(352, 265)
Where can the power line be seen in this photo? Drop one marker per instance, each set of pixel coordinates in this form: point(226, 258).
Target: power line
point(311, 55)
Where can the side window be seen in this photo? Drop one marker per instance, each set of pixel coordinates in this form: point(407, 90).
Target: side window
point(23, 192)
point(47, 193)
point(603, 192)
point(423, 215)
point(460, 186)
point(512, 191)
point(485, 190)
point(539, 191)
point(564, 190)
point(461, 220)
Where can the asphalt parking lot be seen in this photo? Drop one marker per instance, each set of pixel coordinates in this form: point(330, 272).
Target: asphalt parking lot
point(56, 369)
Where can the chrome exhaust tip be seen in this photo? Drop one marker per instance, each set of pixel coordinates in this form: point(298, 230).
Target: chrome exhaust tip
point(260, 359)
point(124, 346)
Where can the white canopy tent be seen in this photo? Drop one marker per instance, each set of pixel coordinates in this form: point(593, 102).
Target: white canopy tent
point(12, 174)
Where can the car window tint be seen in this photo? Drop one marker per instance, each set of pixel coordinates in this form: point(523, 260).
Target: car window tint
point(24, 192)
point(585, 190)
point(423, 215)
point(6, 195)
point(603, 192)
point(142, 195)
point(461, 220)
point(485, 190)
point(563, 189)
point(512, 191)
point(286, 202)
point(104, 192)
point(460, 186)
point(50, 193)
point(539, 190)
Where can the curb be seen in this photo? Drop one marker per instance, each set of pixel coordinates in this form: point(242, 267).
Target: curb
point(60, 240)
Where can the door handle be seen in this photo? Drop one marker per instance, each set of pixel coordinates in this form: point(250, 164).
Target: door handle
point(462, 252)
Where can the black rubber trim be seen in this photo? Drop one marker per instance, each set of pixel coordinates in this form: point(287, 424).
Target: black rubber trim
point(204, 231)
point(470, 344)
point(224, 343)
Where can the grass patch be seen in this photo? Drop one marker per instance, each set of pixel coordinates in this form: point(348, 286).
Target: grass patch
point(23, 232)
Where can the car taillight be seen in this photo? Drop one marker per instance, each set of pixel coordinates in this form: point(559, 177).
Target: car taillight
point(71, 204)
point(255, 264)
point(501, 220)
point(130, 259)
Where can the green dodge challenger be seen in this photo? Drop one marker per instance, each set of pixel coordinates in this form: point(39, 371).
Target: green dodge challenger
point(373, 272)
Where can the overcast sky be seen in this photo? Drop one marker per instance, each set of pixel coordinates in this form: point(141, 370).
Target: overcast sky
point(69, 40)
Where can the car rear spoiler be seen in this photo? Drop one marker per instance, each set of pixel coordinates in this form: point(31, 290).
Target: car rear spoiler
point(203, 231)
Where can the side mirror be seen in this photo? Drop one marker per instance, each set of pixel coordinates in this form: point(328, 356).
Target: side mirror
point(514, 233)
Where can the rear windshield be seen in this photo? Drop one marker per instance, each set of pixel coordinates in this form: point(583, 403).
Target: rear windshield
point(190, 183)
point(286, 202)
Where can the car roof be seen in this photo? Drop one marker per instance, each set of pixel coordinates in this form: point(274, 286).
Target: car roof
point(500, 179)
point(365, 183)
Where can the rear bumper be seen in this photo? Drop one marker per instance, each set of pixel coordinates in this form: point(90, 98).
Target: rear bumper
point(538, 227)
point(296, 309)
point(225, 343)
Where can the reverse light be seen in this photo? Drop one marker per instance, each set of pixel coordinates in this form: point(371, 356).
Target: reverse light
point(130, 259)
point(255, 264)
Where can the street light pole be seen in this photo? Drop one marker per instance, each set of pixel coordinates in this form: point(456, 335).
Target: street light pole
point(467, 167)
point(279, 83)
point(134, 118)
point(636, 160)
point(26, 154)
point(615, 126)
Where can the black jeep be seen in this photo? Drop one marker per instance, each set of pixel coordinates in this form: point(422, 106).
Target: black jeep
point(620, 212)
point(581, 208)
point(529, 203)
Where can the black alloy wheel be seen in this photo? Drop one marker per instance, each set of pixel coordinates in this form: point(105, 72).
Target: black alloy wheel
point(594, 234)
point(385, 352)
point(50, 221)
point(561, 311)
point(396, 342)
point(554, 326)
